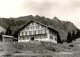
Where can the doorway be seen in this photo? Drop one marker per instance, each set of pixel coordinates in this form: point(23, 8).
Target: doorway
point(32, 38)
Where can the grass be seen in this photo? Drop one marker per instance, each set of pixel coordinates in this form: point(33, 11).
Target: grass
point(48, 56)
point(1, 50)
point(50, 48)
point(7, 55)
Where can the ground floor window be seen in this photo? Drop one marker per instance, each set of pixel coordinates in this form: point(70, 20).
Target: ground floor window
point(55, 39)
point(41, 36)
point(30, 37)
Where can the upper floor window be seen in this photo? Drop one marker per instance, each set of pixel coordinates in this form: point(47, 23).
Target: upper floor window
point(30, 32)
point(36, 32)
point(37, 27)
point(32, 27)
point(40, 31)
point(21, 33)
point(46, 31)
point(27, 33)
point(43, 31)
point(32, 24)
point(27, 28)
point(24, 33)
point(55, 39)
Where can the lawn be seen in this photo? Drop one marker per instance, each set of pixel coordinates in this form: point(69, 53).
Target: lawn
point(39, 49)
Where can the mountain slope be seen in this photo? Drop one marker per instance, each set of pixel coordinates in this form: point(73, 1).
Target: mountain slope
point(63, 27)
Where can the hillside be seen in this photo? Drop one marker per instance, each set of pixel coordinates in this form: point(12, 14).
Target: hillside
point(40, 49)
point(63, 27)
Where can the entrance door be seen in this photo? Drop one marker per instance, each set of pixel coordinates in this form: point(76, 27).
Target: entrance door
point(32, 38)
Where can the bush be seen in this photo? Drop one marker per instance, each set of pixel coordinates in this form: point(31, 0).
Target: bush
point(42, 43)
point(50, 48)
point(19, 46)
point(71, 45)
point(7, 55)
point(17, 52)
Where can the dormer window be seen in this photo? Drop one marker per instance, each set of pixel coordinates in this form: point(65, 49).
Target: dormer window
point(32, 23)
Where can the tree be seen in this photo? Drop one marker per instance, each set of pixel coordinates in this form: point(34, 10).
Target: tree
point(16, 36)
point(58, 38)
point(8, 31)
point(78, 34)
point(73, 35)
point(69, 38)
point(1, 35)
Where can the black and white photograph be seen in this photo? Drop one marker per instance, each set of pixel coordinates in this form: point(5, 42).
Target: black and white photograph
point(39, 28)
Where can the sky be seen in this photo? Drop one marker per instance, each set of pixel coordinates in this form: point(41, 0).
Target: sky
point(66, 10)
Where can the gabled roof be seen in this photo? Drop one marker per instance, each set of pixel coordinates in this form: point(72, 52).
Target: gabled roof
point(38, 23)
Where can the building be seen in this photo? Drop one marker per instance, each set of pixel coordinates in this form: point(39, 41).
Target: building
point(34, 30)
point(7, 38)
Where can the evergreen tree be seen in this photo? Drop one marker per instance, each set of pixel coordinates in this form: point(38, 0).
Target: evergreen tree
point(69, 38)
point(1, 36)
point(78, 34)
point(73, 35)
point(16, 36)
point(58, 38)
point(8, 31)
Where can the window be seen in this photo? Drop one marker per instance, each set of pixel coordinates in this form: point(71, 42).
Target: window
point(27, 28)
point(33, 27)
point(55, 39)
point(37, 27)
point(32, 23)
point(43, 31)
point(51, 37)
point(36, 32)
point(46, 31)
point(30, 27)
point(45, 36)
point(24, 33)
point(20, 33)
point(39, 31)
point(32, 33)
point(28, 33)
point(21, 38)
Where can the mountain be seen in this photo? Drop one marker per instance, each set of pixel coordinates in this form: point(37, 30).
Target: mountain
point(63, 27)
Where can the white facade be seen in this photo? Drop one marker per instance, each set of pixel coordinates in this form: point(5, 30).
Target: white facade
point(36, 31)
